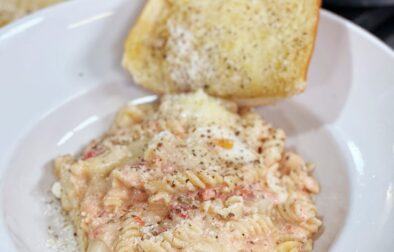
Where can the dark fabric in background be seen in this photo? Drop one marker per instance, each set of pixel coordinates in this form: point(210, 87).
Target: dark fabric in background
point(378, 20)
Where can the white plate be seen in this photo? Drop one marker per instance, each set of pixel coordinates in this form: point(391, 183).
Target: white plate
point(61, 82)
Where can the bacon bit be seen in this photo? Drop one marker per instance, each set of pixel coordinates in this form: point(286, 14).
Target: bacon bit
point(224, 196)
point(90, 154)
point(246, 193)
point(160, 230)
point(137, 196)
point(140, 221)
point(180, 210)
point(215, 193)
point(182, 215)
point(206, 194)
point(224, 143)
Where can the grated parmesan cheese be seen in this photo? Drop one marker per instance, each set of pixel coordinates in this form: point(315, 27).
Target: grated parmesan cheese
point(60, 230)
point(187, 66)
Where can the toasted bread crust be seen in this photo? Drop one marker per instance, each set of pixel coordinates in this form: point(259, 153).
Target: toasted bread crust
point(315, 32)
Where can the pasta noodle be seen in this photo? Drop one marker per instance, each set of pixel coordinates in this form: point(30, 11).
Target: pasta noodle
point(251, 226)
point(168, 177)
point(129, 233)
point(289, 246)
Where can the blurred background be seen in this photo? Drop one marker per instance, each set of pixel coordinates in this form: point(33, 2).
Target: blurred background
point(376, 16)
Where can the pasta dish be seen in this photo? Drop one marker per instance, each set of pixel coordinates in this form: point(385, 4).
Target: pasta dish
point(189, 173)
